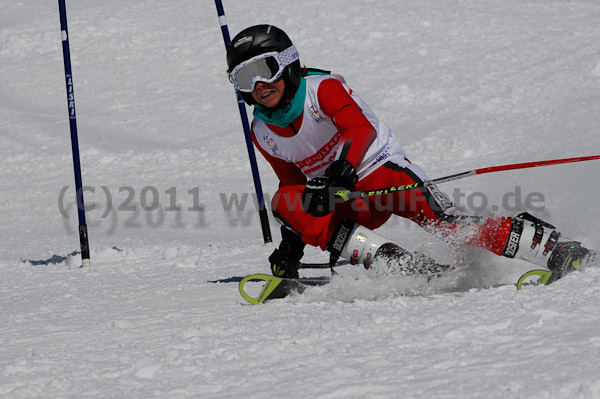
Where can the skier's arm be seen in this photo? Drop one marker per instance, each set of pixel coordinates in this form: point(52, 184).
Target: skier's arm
point(356, 129)
point(287, 172)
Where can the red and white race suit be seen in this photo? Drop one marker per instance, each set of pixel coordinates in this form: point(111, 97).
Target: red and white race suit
point(333, 116)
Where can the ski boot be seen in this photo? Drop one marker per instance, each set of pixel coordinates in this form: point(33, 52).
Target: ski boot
point(569, 256)
point(538, 242)
point(285, 260)
point(360, 245)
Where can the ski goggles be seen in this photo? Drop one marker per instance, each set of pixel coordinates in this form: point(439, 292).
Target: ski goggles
point(267, 67)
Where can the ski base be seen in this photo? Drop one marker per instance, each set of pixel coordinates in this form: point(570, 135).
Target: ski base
point(544, 277)
point(278, 287)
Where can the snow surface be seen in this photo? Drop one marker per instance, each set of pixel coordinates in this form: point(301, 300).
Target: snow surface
point(463, 84)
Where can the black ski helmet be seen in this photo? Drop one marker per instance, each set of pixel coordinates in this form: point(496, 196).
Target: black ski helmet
point(260, 39)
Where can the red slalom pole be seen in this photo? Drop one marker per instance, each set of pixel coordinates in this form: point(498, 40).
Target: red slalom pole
point(346, 195)
point(534, 164)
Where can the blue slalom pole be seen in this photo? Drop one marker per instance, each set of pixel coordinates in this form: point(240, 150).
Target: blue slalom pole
point(83, 235)
point(262, 210)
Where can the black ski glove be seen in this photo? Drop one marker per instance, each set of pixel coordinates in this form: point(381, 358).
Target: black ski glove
point(318, 197)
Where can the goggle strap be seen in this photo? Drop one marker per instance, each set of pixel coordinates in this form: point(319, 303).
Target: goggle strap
point(287, 56)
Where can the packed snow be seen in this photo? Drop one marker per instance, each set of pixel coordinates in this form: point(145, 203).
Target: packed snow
point(173, 227)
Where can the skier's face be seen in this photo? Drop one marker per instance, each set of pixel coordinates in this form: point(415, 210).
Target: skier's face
point(268, 94)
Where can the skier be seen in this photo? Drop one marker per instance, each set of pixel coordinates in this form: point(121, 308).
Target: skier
point(319, 135)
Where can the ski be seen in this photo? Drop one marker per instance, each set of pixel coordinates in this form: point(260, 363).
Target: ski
point(394, 260)
point(325, 265)
point(278, 287)
point(544, 277)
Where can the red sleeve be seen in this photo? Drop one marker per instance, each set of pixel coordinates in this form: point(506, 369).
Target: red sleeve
point(287, 172)
point(357, 131)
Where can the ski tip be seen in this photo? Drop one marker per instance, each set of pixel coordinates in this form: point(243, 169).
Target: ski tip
point(535, 277)
point(277, 287)
point(270, 283)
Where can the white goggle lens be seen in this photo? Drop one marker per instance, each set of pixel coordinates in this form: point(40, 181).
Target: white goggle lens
point(266, 67)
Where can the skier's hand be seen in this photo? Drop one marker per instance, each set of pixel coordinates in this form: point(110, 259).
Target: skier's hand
point(343, 174)
point(318, 197)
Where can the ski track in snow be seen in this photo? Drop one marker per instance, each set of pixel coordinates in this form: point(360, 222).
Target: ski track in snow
point(462, 84)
